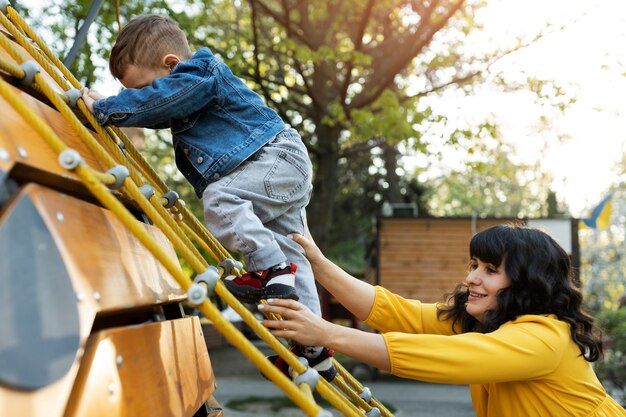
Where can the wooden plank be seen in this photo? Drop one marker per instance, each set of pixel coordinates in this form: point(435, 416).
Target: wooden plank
point(28, 157)
point(49, 401)
point(5, 56)
point(157, 369)
point(103, 257)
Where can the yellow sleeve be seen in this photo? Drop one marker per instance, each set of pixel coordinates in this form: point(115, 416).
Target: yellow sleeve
point(393, 313)
point(527, 348)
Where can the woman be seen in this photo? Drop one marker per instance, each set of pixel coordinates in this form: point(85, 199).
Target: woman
point(514, 330)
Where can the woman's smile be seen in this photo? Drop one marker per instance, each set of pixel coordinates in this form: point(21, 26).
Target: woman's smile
point(484, 282)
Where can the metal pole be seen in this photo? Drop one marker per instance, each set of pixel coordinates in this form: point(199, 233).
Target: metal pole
point(82, 32)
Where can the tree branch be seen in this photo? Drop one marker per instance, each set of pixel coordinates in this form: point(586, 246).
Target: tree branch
point(284, 21)
point(422, 38)
point(358, 44)
point(361, 147)
point(493, 60)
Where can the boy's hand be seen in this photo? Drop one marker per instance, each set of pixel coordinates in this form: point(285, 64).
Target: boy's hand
point(89, 97)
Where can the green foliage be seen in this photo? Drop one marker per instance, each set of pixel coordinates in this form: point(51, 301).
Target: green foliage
point(60, 21)
point(612, 369)
point(489, 183)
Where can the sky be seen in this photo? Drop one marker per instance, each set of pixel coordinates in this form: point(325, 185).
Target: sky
point(588, 56)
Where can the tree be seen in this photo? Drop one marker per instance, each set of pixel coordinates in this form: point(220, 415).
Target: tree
point(343, 72)
point(489, 183)
point(337, 71)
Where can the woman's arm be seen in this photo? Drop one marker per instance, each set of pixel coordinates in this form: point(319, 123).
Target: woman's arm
point(301, 325)
point(529, 348)
point(356, 295)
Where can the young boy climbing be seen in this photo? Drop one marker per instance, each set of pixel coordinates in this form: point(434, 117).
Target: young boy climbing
point(252, 172)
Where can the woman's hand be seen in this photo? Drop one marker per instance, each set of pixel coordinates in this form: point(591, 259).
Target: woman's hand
point(302, 326)
point(356, 295)
point(298, 324)
point(313, 253)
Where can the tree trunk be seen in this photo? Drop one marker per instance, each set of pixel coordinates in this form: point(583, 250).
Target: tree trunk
point(325, 185)
point(390, 158)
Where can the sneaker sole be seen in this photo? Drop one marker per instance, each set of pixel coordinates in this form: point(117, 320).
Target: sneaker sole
point(254, 295)
point(281, 291)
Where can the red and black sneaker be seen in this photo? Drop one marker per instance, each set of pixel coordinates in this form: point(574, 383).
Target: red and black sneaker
point(253, 287)
point(322, 363)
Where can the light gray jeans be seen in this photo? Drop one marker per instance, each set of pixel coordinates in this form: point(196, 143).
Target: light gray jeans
point(253, 209)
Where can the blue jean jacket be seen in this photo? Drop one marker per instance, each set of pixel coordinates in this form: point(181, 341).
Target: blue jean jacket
point(217, 122)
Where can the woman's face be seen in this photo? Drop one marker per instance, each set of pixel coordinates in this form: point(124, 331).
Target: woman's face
point(484, 281)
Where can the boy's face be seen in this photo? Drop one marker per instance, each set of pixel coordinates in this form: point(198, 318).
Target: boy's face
point(139, 77)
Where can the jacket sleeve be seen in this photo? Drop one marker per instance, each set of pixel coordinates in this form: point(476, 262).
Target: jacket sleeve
point(173, 97)
point(527, 348)
point(393, 313)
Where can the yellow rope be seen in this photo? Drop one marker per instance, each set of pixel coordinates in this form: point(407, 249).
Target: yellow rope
point(156, 181)
point(113, 204)
point(340, 383)
point(109, 201)
point(12, 69)
point(356, 386)
point(198, 240)
point(155, 211)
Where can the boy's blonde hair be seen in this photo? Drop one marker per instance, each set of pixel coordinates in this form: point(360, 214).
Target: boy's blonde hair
point(144, 41)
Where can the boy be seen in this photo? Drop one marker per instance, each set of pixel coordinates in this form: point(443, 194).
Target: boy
point(251, 171)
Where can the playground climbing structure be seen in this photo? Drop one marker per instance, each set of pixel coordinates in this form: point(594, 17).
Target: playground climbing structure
point(91, 287)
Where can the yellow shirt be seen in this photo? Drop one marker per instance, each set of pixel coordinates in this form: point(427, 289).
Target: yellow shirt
point(529, 367)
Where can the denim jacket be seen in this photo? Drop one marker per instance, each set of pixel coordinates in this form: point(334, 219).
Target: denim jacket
point(217, 122)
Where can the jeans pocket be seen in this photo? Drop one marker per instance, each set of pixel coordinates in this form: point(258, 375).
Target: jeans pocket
point(288, 178)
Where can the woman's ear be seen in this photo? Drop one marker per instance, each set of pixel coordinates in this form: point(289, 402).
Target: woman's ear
point(170, 61)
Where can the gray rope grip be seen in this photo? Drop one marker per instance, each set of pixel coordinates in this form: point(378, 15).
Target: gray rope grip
point(122, 147)
point(73, 94)
point(171, 197)
point(209, 278)
point(4, 4)
point(196, 294)
point(30, 68)
point(120, 172)
point(147, 191)
point(228, 265)
point(366, 394)
point(309, 377)
point(70, 159)
point(374, 412)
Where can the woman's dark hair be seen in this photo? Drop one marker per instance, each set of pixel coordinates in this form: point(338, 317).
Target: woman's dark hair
point(541, 283)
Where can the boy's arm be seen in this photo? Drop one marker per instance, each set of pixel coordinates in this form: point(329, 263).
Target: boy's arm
point(172, 97)
point(90, 97)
